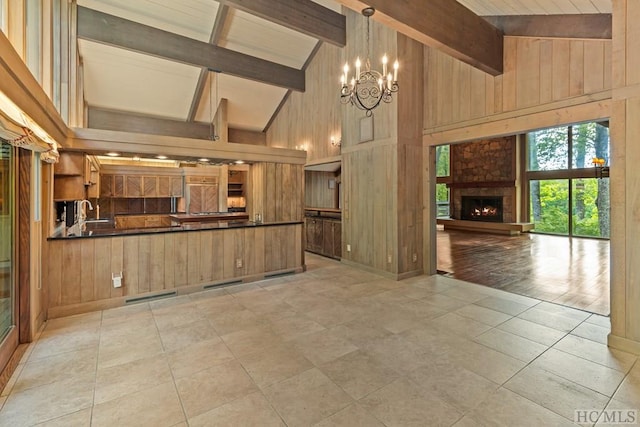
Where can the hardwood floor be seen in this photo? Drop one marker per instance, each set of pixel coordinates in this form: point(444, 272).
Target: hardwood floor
point(568, 271)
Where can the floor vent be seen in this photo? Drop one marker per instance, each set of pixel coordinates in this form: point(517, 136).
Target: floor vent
point(151, 297)
point(284, 273)
point(220, 285)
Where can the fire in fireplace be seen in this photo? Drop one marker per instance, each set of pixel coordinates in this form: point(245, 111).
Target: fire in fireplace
point(482, 208)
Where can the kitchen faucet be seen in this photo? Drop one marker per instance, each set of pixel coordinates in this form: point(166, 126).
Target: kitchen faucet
point(82, 215)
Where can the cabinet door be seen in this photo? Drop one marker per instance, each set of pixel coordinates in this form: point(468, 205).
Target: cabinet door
point(337, 239)
point(177, 186)
point(309, 225)
point(195, 199)
point(164, 186)
point(117, 190)
point(210, 198)
point(106, 185)
point(133, 186)
point(150, 186)
point(327, 237)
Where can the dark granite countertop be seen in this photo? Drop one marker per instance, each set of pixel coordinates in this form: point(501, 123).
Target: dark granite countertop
point(198, 226)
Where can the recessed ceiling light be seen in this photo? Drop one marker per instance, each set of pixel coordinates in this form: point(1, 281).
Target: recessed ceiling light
point(203, 160)
point(239, 162)
point(161, 157)
point(113, 154)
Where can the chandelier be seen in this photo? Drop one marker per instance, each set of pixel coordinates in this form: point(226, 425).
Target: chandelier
point(367, 88)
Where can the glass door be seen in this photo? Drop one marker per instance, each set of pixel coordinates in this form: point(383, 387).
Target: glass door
point(8, 333)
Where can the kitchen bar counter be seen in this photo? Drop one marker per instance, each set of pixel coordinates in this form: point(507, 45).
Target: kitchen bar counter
point(165, 261)
point(188, 226)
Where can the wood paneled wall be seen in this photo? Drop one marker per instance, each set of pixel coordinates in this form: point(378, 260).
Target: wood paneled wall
point(317, 193)
point(312, 117)
point(625, 179)
point(79, 270)
point(276, 192)
point(537, 71)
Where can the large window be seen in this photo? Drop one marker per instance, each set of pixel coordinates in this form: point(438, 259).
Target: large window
point(443, 173)
point(566, 194)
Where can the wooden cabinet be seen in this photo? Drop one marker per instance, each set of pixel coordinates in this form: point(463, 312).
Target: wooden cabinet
point(133, 186)
point(70, 164)
point(70, 177)
point(163, 188)
point(177, 186)
point(149, 186)
point(112, 185)
point(68, 187)
point(324, 236)
point(332, 238)
point(201, 179)
point(142, 221)
point(202, 198)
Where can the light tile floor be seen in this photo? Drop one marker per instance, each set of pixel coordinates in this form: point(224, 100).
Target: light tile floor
point(333, 346)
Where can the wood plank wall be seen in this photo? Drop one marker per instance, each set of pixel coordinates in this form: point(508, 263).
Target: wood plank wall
point(79, 270)
point(318, 193)
point(312, 117)
point(625, 179)
point(276, 192)
point(537, 72)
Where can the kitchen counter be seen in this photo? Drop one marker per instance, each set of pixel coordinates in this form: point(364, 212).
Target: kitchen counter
point(186, 227)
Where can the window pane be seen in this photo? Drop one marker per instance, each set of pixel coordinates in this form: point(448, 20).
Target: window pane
point(548, 149)
point(589, 140)
point(442, 160)
point(590, 201)
point(442, 200)
point(549, 205)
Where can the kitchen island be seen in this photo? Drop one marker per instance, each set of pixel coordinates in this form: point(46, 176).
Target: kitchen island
point(204, 217)
point(165, 261)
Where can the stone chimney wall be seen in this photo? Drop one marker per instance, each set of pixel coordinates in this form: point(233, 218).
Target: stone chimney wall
point(485, 168)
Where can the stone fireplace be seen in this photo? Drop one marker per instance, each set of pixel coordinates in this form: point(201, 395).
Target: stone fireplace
point(484, 171)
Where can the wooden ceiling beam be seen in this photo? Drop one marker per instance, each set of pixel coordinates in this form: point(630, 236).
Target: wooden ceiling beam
point(114, 31)
point(583, 26)
point(97, 141)
point(106, 119)
point(216, 33)
point(304, 16)
point(443, 24)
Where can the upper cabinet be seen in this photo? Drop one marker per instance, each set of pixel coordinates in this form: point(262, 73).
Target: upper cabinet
point(153, 182)
point(75, 177)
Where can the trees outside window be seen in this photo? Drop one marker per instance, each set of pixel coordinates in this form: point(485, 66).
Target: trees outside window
point(565, 197)
point(443, 172)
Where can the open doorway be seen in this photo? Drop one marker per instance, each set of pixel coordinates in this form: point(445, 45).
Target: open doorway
point(556, 192)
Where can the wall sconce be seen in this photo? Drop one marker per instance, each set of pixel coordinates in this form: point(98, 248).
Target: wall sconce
point(336, 142)
point(602, 171)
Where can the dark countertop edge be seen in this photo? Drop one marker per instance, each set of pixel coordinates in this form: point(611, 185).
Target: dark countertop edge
point(178, 229)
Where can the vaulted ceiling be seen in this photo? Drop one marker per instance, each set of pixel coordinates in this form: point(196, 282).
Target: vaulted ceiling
point(136, 77)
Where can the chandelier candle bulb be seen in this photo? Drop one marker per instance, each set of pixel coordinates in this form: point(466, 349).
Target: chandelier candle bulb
point(358, 66)
point(395, 70)
point(384, 64)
